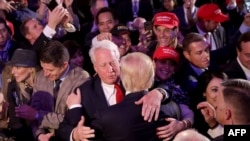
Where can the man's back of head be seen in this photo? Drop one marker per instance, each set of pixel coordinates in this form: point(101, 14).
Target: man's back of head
point(236, 95)
point(190, 135)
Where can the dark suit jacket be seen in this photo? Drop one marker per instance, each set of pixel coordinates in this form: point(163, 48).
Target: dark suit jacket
point(40, 42)
point(187, 77)
point(219, 36)
point(93, 99)
point(183, 25)
point(123, 122)
point(124, 11)
point(234, 70)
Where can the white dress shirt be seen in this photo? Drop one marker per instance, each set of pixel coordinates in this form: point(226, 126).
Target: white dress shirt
point(245, 70)
point(109, 92)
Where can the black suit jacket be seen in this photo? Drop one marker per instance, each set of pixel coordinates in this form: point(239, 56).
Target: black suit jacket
point(183, 25)
point(219, 36)
point(93, 99)
point(187, 77)
point(234, 70)
point(123, 122)
point(40, 42)
point(124, 11)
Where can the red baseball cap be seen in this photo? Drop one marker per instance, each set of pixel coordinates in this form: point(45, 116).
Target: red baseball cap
point(166, 53)
point(211, 12)
point(167, 19)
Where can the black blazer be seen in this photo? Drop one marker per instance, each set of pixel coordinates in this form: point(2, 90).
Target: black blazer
point(93, 99)
point(219, 36)
point(234, 70)
point(187, 77)
point(123, 122)
point(40, 42)
point(183, 25)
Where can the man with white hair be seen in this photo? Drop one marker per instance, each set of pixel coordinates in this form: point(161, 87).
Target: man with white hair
point(100, 92)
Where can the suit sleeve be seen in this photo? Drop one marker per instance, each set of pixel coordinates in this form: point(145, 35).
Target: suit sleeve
point(69, 123)
point(40, 42)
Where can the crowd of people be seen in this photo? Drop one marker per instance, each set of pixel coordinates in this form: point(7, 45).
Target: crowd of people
point(123, 70)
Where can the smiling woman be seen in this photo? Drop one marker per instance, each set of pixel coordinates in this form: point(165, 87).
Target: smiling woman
point(24, 67)
point(208, 88)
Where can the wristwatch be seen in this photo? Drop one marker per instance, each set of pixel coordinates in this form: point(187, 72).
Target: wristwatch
point(164, 93)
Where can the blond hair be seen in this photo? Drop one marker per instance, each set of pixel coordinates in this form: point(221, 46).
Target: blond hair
point(137, 72)
point(23, 85)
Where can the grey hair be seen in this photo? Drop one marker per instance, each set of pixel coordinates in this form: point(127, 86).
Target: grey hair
point(104, 44)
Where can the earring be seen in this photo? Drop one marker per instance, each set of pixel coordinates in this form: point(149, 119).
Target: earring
point(204, 95)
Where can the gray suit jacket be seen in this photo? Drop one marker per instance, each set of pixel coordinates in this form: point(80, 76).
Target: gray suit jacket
point(51, 113)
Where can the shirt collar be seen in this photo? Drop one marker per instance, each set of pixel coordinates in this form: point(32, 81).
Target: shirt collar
point(245, 70)
point(62, 77)
point(197, 70)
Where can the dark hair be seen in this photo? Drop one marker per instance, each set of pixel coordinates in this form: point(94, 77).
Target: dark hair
point(23, 28)
point(54, 52)
point(92, 3)
point(243, 38)
point(190, 38)
point(72, 47)
point(3, 21)
point(205, 78)
point(104, 10)
point(237, 93)
point(175, 5)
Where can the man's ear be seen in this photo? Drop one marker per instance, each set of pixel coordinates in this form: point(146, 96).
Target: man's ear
point(154, 65)
point(238, 51)
point(94, 67)
point(186, 55)
point(228, 114)
point(65, 65)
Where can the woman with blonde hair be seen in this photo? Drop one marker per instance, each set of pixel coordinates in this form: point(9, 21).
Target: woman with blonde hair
point(19, 92)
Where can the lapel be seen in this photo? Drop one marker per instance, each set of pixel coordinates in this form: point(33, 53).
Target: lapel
point(217, 38)
point(193, 76)
point(100, 93)
point(182, 18)
point(238, 70)
point(66, 87)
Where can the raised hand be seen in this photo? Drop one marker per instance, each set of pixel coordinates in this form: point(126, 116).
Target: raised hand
point(208, 113)
point(56, 16)
point(4, 5)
